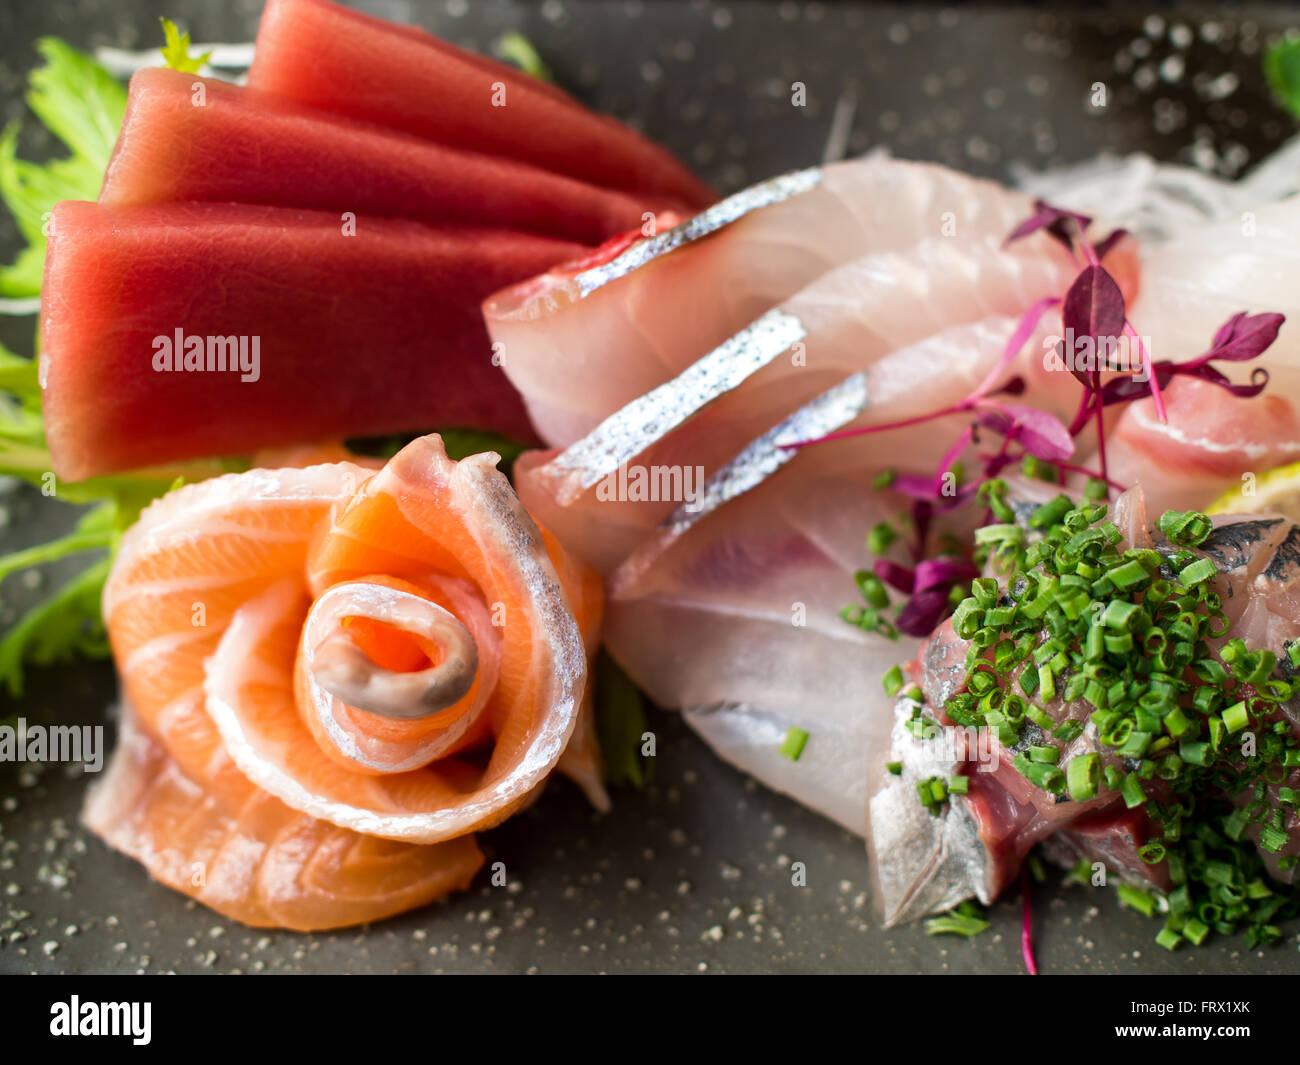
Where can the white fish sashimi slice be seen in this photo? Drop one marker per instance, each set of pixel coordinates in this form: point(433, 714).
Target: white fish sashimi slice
point(731, 613)
point(927, 326)
point(603, 524)
point(1193, 284)
point(580, 343)
point(741, 613)
point(1190, 286)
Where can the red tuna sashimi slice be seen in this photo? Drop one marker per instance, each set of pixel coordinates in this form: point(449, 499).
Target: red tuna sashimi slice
point(243, 146)
point(370, 333)
point(356, 65)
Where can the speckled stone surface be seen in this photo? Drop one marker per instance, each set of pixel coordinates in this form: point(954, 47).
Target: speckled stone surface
point(694, 874)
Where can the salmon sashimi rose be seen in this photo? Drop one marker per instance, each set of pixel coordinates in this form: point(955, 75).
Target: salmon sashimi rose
point(349, 655)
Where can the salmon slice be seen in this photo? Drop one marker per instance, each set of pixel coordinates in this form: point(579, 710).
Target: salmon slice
point(348, 63)
point(256, 860)
point(202, 139)
point(398, 653)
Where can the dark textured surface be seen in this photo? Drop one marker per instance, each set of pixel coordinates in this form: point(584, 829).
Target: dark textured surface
point(692, 874)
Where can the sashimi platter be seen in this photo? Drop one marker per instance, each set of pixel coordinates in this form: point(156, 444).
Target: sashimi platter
point(446, 532)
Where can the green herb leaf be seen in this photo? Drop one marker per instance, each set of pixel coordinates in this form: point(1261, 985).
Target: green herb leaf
point(966, 920)
point(176, 52)
point(64, 627)
point(81, 104)
point(620, 725)
point(1282, 71)
point(517, 49)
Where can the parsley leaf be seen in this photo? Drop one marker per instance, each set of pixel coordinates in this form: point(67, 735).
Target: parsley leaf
point(82, 105)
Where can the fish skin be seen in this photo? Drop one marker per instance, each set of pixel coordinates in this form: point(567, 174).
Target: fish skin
point(345, 62)
point(922, 863)
point(246, 146)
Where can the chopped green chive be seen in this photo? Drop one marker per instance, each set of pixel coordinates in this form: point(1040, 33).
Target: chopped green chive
point(1137, 899)
point(1073, 618)
point(893, 681)
point(793, 744)
point(880, 538)
point(955, 923)
point(1083, 776)
point(1236, 717)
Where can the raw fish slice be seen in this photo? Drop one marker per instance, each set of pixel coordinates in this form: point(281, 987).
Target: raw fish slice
point(925, 864)
point(611, 330)
point(255, 860)
point(221, 612)
point(181, 574)
point(1211, 439)
point(380, 329)
point(330, 57)
point(586, 493)
point(1191, 286)
point(731, 614)
point(421, 517)
point(243, 146)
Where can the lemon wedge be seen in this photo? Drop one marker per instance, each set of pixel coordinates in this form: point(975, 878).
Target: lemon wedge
point(1276, 491)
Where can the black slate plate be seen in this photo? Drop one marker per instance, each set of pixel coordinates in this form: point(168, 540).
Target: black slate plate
point(692, 874)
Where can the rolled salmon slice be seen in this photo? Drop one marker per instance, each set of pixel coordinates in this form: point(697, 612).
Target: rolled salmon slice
point(397, 654)
point(256, 860)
